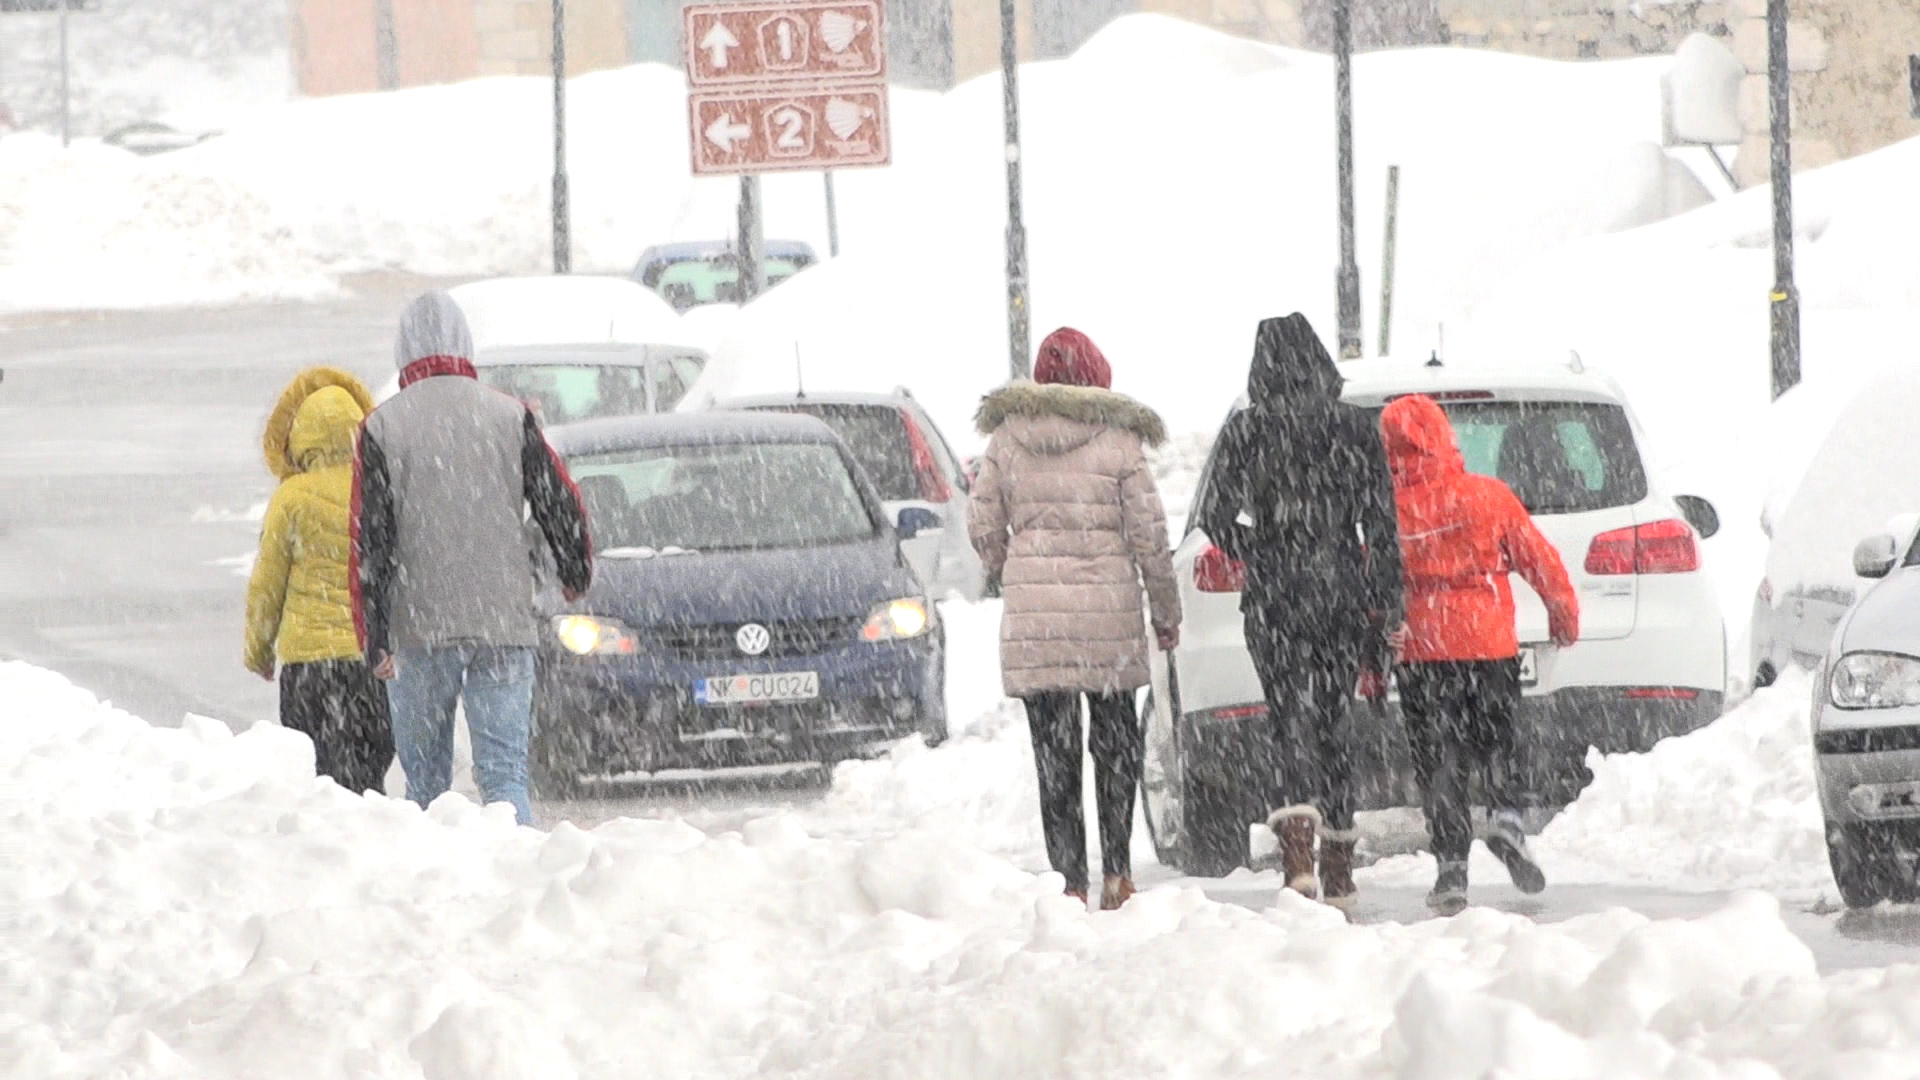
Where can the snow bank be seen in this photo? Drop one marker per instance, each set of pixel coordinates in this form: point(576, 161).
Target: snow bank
point(196, 904)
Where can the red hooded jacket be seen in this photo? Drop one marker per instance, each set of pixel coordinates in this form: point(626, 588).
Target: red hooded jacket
point(1460, 536)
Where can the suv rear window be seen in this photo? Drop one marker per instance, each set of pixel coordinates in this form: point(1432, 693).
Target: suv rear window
point(1559, 457)
point(878, 438)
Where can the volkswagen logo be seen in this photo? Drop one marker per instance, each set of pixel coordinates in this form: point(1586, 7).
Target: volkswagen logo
point(753, 639)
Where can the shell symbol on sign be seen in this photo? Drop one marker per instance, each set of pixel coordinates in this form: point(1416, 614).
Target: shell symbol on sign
point(783, 43)
point(844, 117)
point(838, 29)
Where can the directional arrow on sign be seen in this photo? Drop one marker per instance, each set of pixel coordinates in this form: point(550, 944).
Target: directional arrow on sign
point(726, 131)
point(718, 41)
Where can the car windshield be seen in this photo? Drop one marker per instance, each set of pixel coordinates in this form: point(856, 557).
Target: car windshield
point(878, 438)
point(692, 282)
point(565, 393)
point(1559, 457)
point(727, 497)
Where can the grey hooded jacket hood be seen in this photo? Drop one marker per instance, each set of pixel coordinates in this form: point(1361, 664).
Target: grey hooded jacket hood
point(432, 326)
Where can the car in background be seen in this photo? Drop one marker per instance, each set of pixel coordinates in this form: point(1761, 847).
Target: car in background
point(750, 606)
point(1650, 662)
point(688, 275)
point(577, 348)
point(911, 465)
point(1866, 470)
point(1866, 726)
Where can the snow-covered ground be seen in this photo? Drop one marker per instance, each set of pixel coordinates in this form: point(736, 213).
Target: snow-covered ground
point(193, 903)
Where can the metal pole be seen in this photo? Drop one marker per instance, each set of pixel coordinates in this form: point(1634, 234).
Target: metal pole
point(1347, 285)
point(753, 244)
point(1386, 259)
point(562, 211)
point(386, 46)
point(1019, 361)
point(833, 219)
point(66, 98)
point(1785, 299)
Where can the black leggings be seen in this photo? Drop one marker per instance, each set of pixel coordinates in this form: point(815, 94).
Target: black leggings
point(1308, 674)
point(1459, 717)
point(342, 707)
point(1053, 719)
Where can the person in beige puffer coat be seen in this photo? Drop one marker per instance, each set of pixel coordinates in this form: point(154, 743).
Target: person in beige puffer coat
point(1066, 518)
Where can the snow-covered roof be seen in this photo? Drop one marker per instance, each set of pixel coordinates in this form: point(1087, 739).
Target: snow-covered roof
point(568, 310)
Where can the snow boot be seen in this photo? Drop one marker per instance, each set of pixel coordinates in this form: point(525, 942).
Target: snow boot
point(1117, 890)
point(1336, 867)
point(1449, 895)
point(1508, 840)
point(1297, 826)
point(1079, 894)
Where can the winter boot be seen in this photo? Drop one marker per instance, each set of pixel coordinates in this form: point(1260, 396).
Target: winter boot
point(1449, 895)
point(1079, 894)
point(1508, 840)
point(1336, 867)
point(1297, 826)
point(1117, 889)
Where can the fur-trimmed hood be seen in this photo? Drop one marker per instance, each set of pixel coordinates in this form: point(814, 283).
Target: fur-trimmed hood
point(1081, 404)
point(331, 424)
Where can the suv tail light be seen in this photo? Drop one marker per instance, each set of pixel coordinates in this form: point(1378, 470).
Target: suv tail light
point(1660, 547)
point(1214, 572)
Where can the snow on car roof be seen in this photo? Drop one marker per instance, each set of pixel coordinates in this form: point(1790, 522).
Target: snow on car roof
point(566, 309)
point(1373, 380)
point(677, 429)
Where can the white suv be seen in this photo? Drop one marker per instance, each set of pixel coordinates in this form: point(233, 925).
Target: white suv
point(1650, 662)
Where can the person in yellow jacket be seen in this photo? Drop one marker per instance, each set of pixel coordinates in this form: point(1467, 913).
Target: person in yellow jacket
point(299, 603)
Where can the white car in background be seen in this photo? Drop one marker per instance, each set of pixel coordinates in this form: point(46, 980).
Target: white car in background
point(577, 347)
point(1651, 659)
point(1866, 470)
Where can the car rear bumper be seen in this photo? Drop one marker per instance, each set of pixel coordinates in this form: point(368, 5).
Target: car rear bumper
point(1553, 733)
point(637, 714)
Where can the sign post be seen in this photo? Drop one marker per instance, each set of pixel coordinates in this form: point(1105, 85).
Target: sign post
point(785, 86)
point(1347, 285)
point(1785, 298)
point(1019, 327)
point(562, 198)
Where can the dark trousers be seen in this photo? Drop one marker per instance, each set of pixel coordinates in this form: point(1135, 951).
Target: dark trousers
point(1460, 717)
point(1308, 671)
point(1053, 719)
point(343, 709)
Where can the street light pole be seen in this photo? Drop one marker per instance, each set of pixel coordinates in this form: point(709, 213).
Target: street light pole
point(1347, 284)
point(66, 98)
point(1785, 298)
point(1019, 360)
point(562, 226)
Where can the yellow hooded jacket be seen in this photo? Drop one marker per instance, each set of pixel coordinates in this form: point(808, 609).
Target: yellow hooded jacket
point(299, 607)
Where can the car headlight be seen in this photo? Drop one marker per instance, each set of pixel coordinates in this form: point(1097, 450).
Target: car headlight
point(897, 620)
point(586, 635)
point(1871, 680)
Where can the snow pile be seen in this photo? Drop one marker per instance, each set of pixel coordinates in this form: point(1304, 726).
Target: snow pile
point(1732, 805)
point(194, 904)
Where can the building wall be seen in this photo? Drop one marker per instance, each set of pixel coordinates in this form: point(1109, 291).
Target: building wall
point(516, 36)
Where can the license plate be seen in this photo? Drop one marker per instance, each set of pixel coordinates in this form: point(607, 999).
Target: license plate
point(757, 689)
point(1529, 667)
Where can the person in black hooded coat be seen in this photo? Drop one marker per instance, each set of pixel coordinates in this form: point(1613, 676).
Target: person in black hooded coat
point(1300, 493)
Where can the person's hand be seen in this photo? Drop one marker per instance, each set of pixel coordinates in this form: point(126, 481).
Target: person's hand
point(1562, 635)
point(387, 668)
point(1397, 639)
point(264, 672)
point(1168, 637)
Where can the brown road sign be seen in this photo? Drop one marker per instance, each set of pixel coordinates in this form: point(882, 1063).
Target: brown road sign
point(771, 129)
point(796, 41)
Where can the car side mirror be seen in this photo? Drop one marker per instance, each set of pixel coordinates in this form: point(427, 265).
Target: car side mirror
point(915, 520)
point(1874, 557)
point(1699, 513)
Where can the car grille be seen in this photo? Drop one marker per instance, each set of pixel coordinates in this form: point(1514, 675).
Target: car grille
point(798, 637)
point(1868, 740)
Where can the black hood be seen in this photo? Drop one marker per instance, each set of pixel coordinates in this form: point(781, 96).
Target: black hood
point(1291, 367)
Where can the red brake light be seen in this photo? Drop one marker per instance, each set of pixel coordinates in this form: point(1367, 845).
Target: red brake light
point(1214, 572)
point(1661, 547)
point(933, 485)
point(1662, 693)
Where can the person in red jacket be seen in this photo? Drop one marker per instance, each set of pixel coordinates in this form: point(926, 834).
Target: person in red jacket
point(1458, 669)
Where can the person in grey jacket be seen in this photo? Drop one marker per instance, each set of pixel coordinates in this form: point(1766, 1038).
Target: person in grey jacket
point(443, 586)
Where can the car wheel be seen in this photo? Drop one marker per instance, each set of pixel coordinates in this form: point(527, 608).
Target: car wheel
point(553, 769)
point(933, 723)
point(1866, 866)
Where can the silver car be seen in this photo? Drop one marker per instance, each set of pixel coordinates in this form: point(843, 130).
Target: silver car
point(1866, 726)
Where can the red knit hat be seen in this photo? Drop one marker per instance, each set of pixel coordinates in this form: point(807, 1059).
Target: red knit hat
point(1070, 357)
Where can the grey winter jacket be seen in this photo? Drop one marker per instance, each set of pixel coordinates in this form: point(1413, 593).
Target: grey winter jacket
point(444, 474)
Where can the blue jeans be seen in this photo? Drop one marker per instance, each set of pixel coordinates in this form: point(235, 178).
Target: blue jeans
point(496, 685)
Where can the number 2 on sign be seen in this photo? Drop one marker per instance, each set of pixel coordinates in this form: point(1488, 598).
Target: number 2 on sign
point(791, 123)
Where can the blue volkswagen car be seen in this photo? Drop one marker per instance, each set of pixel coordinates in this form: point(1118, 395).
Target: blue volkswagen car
point(750, 606)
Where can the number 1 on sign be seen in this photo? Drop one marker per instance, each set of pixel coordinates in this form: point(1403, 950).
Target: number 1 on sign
point(785, 33)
